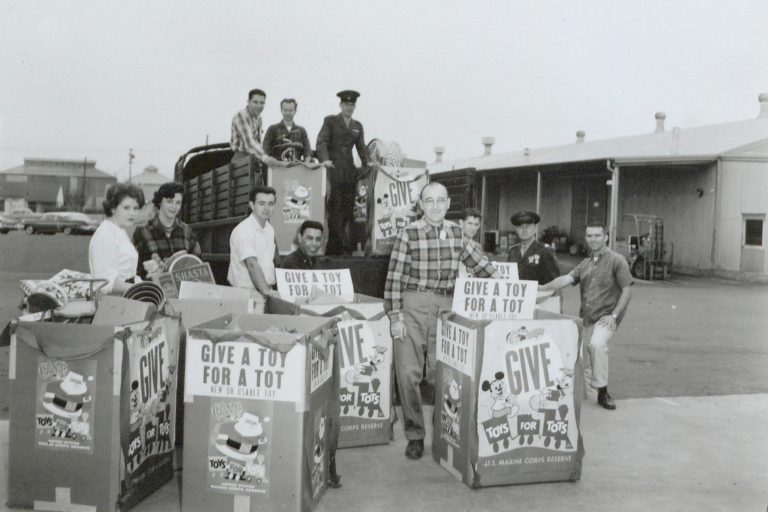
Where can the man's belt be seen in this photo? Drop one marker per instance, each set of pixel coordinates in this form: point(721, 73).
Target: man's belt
point(435, 291)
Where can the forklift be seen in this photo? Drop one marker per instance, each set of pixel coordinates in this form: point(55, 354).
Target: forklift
point(644, 247)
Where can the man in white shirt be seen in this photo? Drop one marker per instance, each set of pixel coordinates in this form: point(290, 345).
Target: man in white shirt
point(252, 247)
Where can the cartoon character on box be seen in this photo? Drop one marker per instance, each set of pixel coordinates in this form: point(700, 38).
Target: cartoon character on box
point(451, 408)
point(239, 442)
point(502, 401)
point(66, 400)
point(360, 210)
point(548, 401)
point(297, 203)
point(362, 377)
point(133, 450)
point(318, 454)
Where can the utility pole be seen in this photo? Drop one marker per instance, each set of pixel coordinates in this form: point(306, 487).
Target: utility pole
point(130, 162)
point(82, 203)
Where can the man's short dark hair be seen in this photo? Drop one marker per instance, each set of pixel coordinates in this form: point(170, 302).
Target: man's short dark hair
point(254, 92)
point(119, 191)
point(471, 212)
point(167, 190)
point(310, 224)
point(261, 190)
point(597, 224)
point(290, 100)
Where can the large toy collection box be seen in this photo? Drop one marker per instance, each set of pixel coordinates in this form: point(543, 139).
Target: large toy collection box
point(92, 409)
point(507, 400)
point(258, 392)
point(365, 366)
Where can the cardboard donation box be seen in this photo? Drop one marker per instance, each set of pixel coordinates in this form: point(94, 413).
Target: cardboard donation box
point(92, 413)
point(365, 366)
point(192, 313)
point(257, 393)
point(508, 411)
point(300, 196)
point(394, 204)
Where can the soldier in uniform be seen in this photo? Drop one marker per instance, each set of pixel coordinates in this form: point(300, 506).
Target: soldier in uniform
point(334, 149)
point(535, 262)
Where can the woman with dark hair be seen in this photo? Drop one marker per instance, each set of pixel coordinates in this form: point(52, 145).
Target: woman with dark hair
point(164, 235)
point(111, 254)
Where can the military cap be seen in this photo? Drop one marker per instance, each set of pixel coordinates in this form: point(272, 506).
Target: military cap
point(525, 217)
point(348, 96)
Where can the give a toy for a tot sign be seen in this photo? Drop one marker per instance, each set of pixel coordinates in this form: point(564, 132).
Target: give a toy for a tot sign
point(494, 299)
point(332, 286)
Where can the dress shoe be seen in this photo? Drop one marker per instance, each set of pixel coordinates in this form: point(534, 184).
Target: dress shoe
point(334, 479)
point(415, 449)
point(604, 399)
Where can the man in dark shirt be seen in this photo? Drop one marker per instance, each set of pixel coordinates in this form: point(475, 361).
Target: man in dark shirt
point(310, 243)
point(535, 262)
point(605, 294)
point(334, 149)
point(285, 134)
point(164, 235)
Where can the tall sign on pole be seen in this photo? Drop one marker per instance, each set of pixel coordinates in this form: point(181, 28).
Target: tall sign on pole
point(130, 162)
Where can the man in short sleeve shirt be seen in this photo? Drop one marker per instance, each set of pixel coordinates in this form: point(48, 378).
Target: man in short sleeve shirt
point(252, 247)
point(605, 294)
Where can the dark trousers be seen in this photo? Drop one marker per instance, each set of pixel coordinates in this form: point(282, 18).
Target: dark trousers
point(341, 200)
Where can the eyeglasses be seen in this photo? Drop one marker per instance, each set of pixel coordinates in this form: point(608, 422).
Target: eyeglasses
point(440, 201)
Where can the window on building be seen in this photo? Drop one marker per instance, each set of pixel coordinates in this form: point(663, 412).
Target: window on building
point(753, 230)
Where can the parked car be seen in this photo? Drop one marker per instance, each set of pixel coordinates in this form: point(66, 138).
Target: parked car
point(69, 223)
point(8, 224)
point(19, 216)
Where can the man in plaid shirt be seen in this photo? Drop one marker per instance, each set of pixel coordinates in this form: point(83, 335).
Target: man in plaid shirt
point(246, 129)
point(420, 281)
point(164, 235)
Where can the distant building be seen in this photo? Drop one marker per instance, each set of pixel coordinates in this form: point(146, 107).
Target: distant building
point(149, 181)
point(36, 185)
point(708, 183)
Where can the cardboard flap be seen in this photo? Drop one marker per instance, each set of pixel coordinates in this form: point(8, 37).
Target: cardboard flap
point(114, 310)
point(65, 341)
point(279, 341)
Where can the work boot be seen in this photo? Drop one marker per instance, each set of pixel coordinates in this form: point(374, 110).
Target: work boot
point(334, 479)
point(415, 449)
point(604, 399)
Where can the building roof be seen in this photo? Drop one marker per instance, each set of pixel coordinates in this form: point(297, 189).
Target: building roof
point(150, 176)
point(698, 143)
point(56, 167)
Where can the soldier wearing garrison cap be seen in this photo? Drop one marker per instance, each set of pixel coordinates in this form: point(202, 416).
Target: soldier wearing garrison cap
point(535, 262)
point(334, 148)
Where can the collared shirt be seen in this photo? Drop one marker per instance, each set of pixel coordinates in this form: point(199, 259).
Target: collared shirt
point(602, 277)
point(298, 260)
point(111, 254)
point(428, 257)
point(152, 238)
point(249, 239)
point(277, 132)
point(246, 134)
point(537, 263)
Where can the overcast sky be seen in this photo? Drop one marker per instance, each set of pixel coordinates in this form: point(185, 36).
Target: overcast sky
point(94, 78)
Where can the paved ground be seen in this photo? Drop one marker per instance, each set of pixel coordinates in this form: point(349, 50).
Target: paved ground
point(689, 366)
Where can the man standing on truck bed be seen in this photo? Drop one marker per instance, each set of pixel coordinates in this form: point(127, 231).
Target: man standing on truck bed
point(287, 132)
point(252, 248)
point(246, 129)
point(334, 149)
